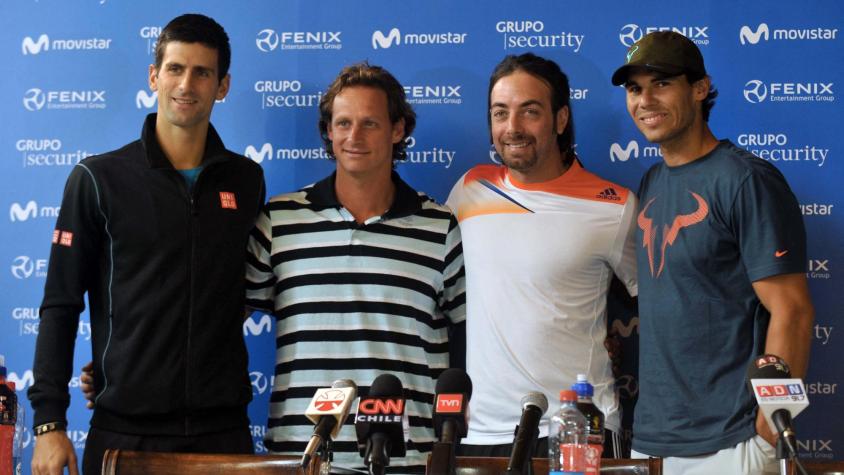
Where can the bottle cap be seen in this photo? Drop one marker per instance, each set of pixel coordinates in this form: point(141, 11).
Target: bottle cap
point(568, 395)
point(582, 386)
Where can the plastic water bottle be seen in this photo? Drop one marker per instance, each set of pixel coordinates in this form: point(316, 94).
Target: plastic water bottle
point(594, 419)
point(8, 423)
point(567, 438)
point(17, 443)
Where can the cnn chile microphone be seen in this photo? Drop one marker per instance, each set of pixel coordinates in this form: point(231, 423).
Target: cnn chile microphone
point(534, 405)
point(328, 410)
point(379, 423)
point(451, 402)
point(780, 397)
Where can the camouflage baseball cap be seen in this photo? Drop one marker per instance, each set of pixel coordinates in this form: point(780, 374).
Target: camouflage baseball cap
point(662, 51)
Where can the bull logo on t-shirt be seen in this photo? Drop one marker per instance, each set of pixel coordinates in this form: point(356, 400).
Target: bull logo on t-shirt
point(669, 233)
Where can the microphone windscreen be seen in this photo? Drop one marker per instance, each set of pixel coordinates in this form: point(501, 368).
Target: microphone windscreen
point(768, 367)
point(535, 398)
point(386, 385)
point(454, 380)
point(345, 383)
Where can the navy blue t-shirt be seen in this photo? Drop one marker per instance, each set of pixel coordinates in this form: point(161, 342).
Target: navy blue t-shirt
point(707, 230)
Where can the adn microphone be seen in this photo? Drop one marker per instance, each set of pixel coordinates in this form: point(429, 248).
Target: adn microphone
point(534, 405)
point(379, 423)
point(780, 397)
point(328, 409)
point(454, 389)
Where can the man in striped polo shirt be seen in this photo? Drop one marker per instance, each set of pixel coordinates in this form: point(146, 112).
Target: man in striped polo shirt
point(363, 274)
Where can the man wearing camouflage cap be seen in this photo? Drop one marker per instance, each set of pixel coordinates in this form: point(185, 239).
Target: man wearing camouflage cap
point(721, 272)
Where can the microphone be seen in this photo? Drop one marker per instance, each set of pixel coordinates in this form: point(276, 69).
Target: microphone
point(780, 397)
point(453, 391)
point(379, 423)
point(534, 405)
point(328, 410)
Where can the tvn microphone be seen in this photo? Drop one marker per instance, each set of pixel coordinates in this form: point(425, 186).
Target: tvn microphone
point(454, 389)
point(379, 423)
point(534, 405)
point(328, 409)
point(780, 397)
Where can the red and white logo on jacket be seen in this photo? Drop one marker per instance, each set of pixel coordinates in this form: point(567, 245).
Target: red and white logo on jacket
point(227, 200)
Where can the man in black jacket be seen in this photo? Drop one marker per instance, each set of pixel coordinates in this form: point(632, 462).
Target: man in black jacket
point(155, 234)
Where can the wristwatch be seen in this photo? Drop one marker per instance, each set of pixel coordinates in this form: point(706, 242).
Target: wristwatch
point(49, 427)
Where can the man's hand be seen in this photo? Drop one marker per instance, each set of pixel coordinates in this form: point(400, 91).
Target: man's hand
point(763, 429)
point(53, 451)
point(86, 380)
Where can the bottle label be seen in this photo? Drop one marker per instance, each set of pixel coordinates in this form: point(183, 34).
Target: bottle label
point(573, 458)
point(593, 459)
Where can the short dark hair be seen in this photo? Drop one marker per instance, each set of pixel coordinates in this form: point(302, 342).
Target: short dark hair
point(709, 101)
point(196, 28)
point(367, 75)
point(558, 82)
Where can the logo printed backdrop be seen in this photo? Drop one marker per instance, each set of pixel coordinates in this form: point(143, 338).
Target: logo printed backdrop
point(74, 83)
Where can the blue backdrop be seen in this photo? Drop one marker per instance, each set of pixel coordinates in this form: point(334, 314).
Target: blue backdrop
point(73, 82)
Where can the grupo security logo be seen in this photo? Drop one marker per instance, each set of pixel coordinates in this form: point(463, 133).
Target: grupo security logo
point(268, 40)
point(260, 383)
point(263, 325)
point(46, 152)
point(268, 152)
point(532, 34)
point(823, 333)
point(815, 448)
point(444, 94)
point(22, 382)
point(436, 156)
point(285, 93)
point(24, 267)
point(775, 147)
point(395, 38)
point(631, 33)
point(818, 269)
point(762, 32)
point(150, 34)
point(757, 91)
point(145, 100)
point(32, 46)
point(258, 433)
point(30, 210)
point(620, 152)
point(36, 99)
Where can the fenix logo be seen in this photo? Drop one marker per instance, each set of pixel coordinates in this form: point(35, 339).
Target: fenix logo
point(78, 437)
point(35, 99)
point(22, 382)
point(763, 32)
point(756, 91)
point(28, 46)
point(267, 40)
point(632, 150)
point(251, 327)
point(30, 210)
point(631, 33)
point(145, 100)
point(260, 383)
point(23, 267)
point(815, 448)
